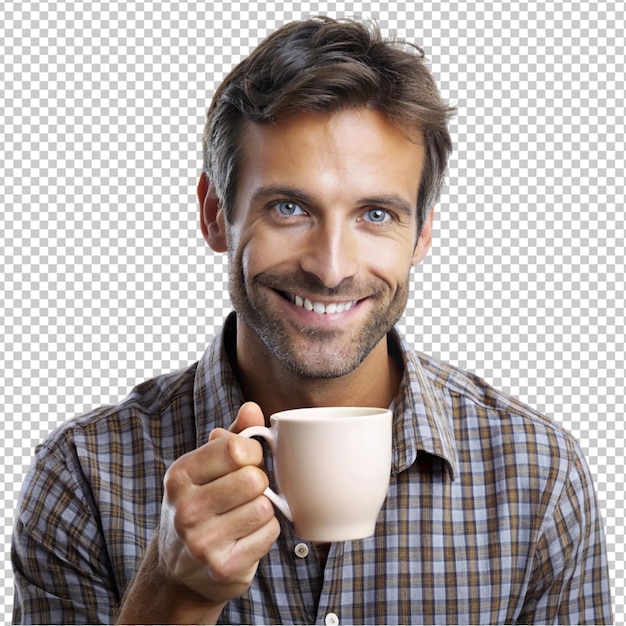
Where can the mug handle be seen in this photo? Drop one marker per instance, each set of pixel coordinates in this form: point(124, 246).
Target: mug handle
point(270, 436)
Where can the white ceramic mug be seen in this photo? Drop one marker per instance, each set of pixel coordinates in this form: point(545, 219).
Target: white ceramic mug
point(332, 468)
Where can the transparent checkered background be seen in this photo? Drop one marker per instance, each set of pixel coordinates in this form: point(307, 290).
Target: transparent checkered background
point(106, 280)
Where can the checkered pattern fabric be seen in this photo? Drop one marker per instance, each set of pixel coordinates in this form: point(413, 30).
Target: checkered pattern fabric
point(490, 517)
point(105, 281)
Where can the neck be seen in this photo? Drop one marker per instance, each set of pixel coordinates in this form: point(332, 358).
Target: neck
point(374, 382)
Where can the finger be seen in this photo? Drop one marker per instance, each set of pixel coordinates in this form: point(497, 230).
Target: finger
point(222, 455)
point(255, 545)
point(232, 490)
point(218, 531)
point(250, 414)
point(237, 540)
point(209, 517)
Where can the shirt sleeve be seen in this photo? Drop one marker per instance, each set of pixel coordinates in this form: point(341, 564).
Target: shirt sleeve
point(61, 567)
point(570, 573)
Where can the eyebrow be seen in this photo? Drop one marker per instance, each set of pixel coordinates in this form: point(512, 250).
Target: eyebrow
point(390, 200)
point(283, 190)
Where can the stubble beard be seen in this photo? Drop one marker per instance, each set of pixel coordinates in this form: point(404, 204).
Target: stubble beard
point(313, 353)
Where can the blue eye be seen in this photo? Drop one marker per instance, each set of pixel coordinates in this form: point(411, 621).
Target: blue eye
point(377, 216)
point(288, 208)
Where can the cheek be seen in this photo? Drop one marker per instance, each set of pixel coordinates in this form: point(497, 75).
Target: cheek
point(264, 251)
point(391, 262)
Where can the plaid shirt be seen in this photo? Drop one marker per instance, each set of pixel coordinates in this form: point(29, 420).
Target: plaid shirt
point(490, 517)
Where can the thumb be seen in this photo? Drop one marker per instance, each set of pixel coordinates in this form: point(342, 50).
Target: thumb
point(250, 414)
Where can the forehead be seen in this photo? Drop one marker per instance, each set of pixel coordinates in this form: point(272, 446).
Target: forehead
point(353, 149)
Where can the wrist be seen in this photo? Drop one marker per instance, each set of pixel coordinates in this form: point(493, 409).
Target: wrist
point(155, 597)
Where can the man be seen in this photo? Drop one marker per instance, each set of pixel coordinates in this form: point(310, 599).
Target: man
point(324, 153)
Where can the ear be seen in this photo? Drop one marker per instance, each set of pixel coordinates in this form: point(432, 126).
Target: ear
point(424, 240)
point(211, 216)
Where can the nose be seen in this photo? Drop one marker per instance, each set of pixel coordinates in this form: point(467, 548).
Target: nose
point(331, 253)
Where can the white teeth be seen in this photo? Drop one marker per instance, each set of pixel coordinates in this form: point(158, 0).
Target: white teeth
point(320, 307)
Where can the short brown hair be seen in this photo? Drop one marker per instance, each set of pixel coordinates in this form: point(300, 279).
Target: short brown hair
point(326, 65)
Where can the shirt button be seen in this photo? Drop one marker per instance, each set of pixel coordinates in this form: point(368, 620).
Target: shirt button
point(302, 550)
point(331, 620)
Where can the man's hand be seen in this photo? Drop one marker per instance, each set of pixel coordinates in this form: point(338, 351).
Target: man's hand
point(215, 526)
point(215, 521)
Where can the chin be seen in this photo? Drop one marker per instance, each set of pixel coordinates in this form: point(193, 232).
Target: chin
point(327, 363)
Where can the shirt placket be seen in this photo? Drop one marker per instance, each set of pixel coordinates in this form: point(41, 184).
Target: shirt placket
point(315, 597)
point(302, 560)
point(329, 605)
point(308, 573)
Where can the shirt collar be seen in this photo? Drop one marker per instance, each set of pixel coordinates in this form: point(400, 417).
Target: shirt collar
point(421, 422)
point(217, 394)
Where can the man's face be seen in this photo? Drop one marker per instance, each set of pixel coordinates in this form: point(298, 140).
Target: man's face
point(323, 237)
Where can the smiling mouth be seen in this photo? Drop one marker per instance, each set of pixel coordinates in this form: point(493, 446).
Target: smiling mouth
point(327, 308)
